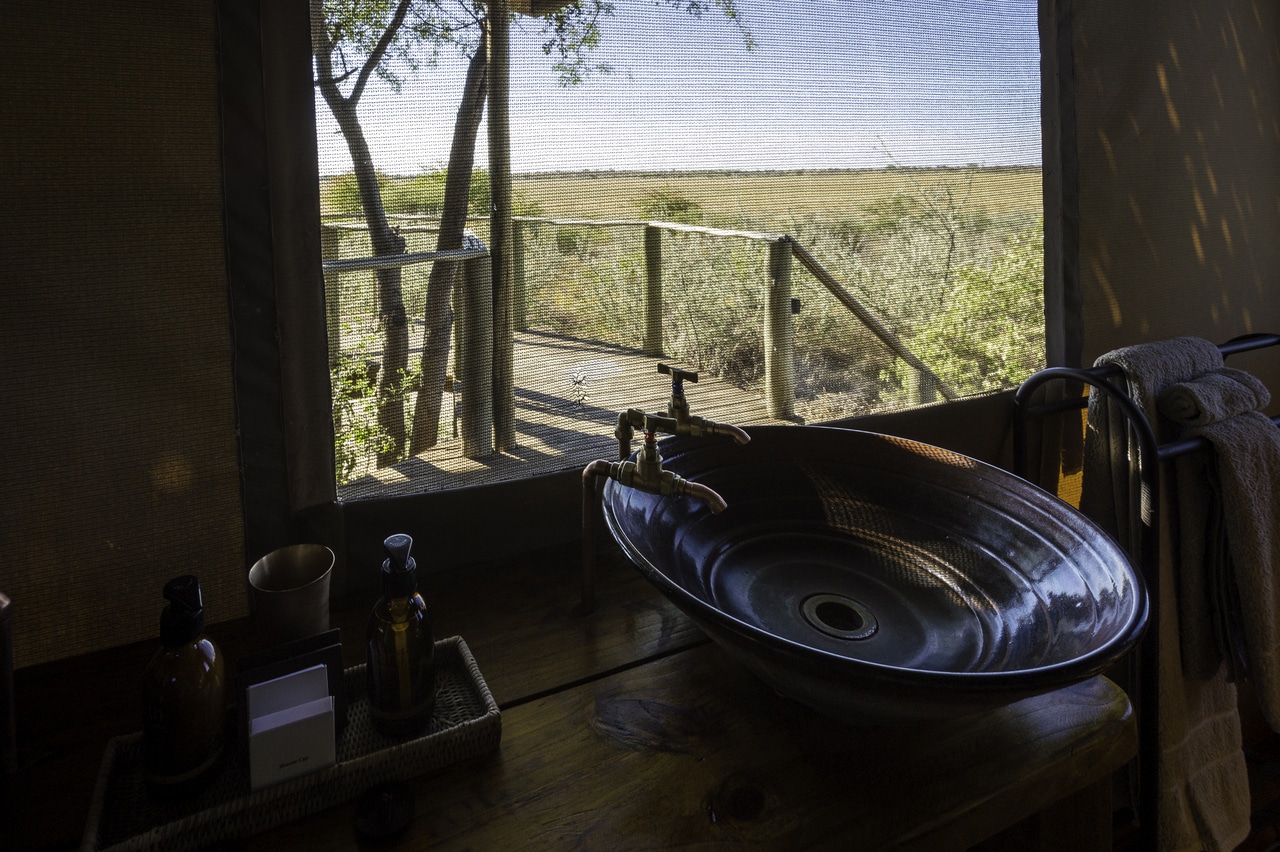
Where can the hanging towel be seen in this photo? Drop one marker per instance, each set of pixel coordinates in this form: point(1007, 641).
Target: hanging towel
point(1208, 602)
point(1204, 784)
point(1243, 596)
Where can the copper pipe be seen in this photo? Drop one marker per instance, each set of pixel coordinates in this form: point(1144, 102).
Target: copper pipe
point(595, 470)
point(713, 501)
point(738, 435)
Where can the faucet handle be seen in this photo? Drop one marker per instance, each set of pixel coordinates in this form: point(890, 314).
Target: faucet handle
point(678, 375)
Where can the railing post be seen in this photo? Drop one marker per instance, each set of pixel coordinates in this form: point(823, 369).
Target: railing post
point(779, 339)
point(653, 291)
point(330, 239)
point(502, 334)
point(518, 320)
point(922, 389)
point(475, 356)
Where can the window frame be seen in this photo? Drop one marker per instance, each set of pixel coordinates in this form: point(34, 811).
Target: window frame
point(275, 286)
point(276, 297)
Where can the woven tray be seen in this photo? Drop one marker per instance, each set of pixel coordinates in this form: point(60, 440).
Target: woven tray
point(124, 817)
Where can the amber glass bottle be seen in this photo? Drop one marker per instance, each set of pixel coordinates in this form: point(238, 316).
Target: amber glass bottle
point(401, 648)
point(182, 697)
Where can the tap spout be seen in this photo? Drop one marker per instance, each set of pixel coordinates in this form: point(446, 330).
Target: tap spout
point(713, 501)
point(739, 435)
point(644, 474)
point(679, 420)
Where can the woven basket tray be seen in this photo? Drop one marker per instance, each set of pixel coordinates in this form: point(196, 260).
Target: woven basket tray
point(124, 817)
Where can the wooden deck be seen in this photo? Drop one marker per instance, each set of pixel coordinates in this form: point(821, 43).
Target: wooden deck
point(568, 395)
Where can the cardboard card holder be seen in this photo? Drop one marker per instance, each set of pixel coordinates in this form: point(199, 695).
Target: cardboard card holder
point(291, 726)
point(290, 657)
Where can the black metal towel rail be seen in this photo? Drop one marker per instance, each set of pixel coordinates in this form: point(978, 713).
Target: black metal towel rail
point(1144, 478)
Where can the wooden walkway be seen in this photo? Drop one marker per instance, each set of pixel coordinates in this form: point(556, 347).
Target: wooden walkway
point(568, 395)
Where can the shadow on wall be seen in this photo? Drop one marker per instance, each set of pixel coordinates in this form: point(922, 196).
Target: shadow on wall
point(1179, 170)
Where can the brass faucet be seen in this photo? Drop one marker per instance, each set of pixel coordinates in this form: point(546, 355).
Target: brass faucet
point(646, 473)
point(678, 420)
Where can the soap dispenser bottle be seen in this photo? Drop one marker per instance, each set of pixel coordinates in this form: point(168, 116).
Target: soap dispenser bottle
point(401, 647)
point(182, 697)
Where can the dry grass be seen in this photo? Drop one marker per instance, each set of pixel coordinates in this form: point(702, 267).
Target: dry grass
point(771, 198)
point(898, 240)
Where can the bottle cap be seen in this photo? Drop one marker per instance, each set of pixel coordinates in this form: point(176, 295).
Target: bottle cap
point(399, 577)
point(183, 619)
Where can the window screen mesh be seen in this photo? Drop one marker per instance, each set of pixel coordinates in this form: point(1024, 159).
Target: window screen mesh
point(119, 432)
point(895, 146)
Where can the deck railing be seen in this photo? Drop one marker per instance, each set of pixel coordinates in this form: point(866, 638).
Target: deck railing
point(475, 343)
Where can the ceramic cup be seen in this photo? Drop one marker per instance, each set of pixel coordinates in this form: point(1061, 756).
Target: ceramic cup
point(289, 593)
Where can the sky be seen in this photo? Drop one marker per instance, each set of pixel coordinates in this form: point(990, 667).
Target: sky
point(829, 84)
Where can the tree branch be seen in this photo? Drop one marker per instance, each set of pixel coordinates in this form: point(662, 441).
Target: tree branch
point(384, 43)
point(322, 49)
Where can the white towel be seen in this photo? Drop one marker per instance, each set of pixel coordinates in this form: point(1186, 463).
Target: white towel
point(1244, 597)
point(1204, 784)
point(1213, 397)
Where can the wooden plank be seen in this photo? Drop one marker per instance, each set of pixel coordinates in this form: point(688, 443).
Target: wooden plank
point(568, 394)
point(622, 729)
point(690, 751)
point(536, 8)
point(518, 617)
point(515, 614)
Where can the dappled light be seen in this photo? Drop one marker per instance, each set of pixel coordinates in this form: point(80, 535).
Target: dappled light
point(1185, 129)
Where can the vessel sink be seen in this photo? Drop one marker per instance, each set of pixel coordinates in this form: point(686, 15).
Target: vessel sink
point(879, 580)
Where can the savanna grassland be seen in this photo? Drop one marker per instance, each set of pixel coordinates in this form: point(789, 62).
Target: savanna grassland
point(949, 261)
point(766, 198)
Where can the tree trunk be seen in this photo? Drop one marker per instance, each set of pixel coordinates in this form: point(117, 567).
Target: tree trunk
point(383, 239)
point(453, 221)
point(392, 319)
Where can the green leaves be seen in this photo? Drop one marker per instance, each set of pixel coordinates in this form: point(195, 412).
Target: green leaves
point(411, 34)
point(989, 333)
point(668, 205)
point(417, 194)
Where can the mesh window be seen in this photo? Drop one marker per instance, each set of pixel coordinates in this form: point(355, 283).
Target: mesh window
point(119, 432)
point(824, 213)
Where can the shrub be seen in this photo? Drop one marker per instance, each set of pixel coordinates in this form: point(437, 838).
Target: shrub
point(421, 194)
point(666, 205)
point(989, 333)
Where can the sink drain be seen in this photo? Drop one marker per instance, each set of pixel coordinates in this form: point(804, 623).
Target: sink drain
point(838, 616)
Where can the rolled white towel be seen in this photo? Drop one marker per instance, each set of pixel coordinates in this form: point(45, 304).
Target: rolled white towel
point(1213, 397)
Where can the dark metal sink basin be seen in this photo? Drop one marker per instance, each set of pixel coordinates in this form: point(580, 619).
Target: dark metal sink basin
point(881, 580)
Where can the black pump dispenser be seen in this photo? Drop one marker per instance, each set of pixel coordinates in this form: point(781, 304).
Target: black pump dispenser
point(183, 619)
point(183, 693)
point(399, 569)
point(400, 647)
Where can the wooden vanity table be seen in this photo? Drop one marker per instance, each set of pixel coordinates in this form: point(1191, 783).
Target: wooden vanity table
point(628, 729)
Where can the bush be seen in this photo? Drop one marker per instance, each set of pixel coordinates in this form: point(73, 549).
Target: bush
point(421, 194)
point(668, 206)
point(990, 332)
point(573, 241)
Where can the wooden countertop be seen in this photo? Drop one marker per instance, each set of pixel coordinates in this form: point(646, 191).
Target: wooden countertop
point(628, 729)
